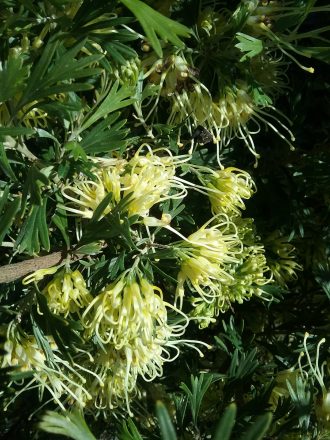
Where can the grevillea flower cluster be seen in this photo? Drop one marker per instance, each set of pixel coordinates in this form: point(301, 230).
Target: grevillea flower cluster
point(130, 327)
point(163, 198)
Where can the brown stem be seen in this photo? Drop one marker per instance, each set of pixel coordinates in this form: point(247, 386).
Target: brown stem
point(12, 272)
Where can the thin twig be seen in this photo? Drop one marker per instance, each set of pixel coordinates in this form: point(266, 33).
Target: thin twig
point(12, 272)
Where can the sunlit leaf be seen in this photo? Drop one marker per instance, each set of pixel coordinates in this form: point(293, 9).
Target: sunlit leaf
point(154, 23)
point(70, 425)
point(167, 430)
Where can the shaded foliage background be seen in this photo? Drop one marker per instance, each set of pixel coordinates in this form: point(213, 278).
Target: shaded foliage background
point(253, 342)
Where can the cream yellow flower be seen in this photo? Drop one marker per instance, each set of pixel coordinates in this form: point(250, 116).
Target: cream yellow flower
point(85, 195)
point(228, 190)
point(125, 310)
point(281, 258)
point(218, 243)
point(40, 274)
point(234, 114)
point(317, 372)
point(244, 275)
point(247, 279)
point(129, 319)
point(67, 293)
point(54, 374)
point(236, 109)
point(148, 179)
point(205, 257)
point(23, 353)
point(202, 276)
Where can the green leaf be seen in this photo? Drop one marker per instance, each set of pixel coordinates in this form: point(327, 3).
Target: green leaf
point(34, 231)
point(260, 97)
point(243, 365)
point(118, 51)
point(116, 98)
point(199, 386)
point(259, 428)
point(5, 164)
point(15, 131)
point(58, 65)
point(226, 424)
point(130, 431)
point(12, 77)
point(88, 249)
point(101, 207)
point(154, 23)
point(61, 221)
point(38, 72)
point(71, 425)
point(8, 216)
point(320, 53)
point(76, 150)
point(42, 341)
point(167, 430)
point(105, 137)
point(34, 182)
point(252, 46)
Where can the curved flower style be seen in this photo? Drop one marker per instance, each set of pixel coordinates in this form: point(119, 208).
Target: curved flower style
point(57, 376)
point(205, 257)
point(247, 278)
point(230, 116)
point(281, 258)
point(85, 195)
point(243, 274)
point(228, 189)
point(129, 319)
point(67, 293)
point(149, 179)
point(316, 372)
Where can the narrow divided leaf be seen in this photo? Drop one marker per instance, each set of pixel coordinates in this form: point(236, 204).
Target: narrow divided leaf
point(167, 430)
point(226, 424)
point(154, 23)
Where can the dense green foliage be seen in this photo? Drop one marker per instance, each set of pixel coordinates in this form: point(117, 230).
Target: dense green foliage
point(168, 162)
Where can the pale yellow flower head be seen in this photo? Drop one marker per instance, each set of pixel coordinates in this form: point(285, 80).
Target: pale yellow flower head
point(67, 293)
point(229, 188)
point(127, 309)
point(24, 353)
point(85, 195)
point(205, 256)
point(245, 279)
point(54, 374)
point(218, 243)
point(281, 258)
point(147, 178)
point(129, 319)
point(234, 114)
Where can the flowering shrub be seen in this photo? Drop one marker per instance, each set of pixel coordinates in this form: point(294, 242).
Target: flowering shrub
point(163, 207)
